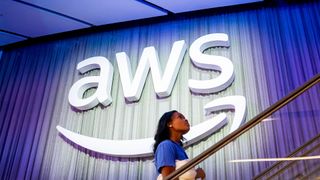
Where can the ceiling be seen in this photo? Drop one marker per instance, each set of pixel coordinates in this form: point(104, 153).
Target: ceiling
point(26, 19)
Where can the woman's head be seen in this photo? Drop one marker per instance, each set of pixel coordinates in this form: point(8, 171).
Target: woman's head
point(170, 121)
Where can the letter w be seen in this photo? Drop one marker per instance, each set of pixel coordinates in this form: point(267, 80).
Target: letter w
point(163, 83)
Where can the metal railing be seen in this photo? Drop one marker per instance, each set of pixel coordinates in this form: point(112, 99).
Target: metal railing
point(244, 128)
point(292, 154)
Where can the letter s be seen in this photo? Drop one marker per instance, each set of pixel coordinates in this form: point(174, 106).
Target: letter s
point(211, 62)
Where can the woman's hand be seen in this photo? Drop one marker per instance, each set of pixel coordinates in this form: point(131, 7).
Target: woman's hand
point(200, 173)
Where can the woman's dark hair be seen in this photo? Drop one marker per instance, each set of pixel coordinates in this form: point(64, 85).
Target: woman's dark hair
point(163, 132)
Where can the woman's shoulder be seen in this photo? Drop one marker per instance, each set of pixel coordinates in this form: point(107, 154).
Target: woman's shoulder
point(169, 144)
point(166, 146)
point(166, 142)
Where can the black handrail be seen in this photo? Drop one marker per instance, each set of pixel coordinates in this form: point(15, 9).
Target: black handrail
point(244, 128)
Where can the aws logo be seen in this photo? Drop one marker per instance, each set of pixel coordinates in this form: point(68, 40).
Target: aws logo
point(163, 82)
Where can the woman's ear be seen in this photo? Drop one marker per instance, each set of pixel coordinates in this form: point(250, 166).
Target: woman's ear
point(169, 125)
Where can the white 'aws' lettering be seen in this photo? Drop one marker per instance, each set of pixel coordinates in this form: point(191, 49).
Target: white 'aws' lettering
point(163, 81)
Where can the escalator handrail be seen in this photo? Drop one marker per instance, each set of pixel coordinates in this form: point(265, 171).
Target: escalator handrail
point(244, 128)
point(292, 154)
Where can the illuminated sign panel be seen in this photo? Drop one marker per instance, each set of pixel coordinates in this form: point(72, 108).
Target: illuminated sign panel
point(163, 82)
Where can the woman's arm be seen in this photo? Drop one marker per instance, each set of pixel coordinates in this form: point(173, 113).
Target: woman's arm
point(166, 170)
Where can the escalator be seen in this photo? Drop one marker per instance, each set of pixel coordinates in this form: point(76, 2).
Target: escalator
point(306, 169)
point(282, 142)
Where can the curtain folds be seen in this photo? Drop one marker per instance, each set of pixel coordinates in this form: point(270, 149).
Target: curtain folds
point(273, 49)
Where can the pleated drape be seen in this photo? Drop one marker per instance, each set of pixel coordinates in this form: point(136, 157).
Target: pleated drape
point(273, 49)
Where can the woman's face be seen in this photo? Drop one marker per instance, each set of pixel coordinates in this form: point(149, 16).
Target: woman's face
point(179, 123)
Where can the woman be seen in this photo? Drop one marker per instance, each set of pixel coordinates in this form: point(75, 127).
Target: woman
point(168, 150)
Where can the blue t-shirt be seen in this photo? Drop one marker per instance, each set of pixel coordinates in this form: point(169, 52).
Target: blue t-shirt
point(167, 153)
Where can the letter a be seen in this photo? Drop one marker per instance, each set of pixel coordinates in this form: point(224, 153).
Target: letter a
point(102, 83)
